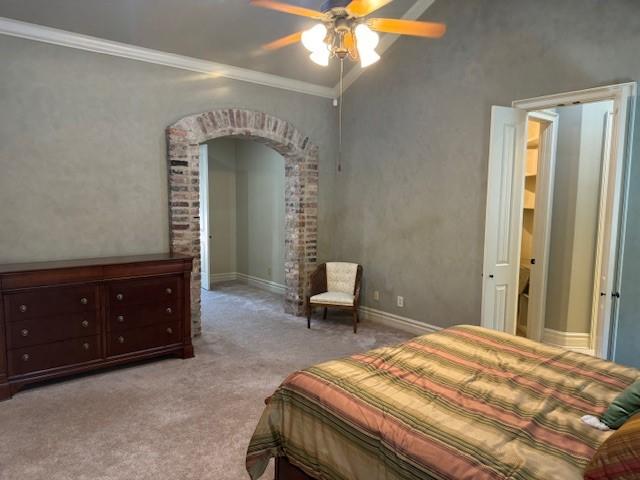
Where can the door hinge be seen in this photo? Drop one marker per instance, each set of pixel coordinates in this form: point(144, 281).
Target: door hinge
point(615, 294)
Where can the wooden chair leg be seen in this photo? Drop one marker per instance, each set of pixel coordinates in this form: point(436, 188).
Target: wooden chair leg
point(308, 316)
point(324, 314)
point(355, 321)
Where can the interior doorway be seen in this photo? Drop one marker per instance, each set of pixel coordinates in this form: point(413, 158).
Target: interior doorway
point(554, 212)
point(539, 173)
point(242, 214)
point(301, 158)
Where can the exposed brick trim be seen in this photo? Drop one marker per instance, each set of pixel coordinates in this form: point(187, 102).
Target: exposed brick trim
point(301, 192)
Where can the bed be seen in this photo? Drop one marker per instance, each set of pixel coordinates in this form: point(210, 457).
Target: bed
point(462, 403)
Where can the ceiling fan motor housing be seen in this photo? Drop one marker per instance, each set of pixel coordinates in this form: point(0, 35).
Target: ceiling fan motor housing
point(331, 4)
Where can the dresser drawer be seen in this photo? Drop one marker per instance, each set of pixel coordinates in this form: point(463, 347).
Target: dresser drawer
point(126, 317)
point(37, 331)
point(143, 290)
point(144, 338)
point(58, 354)
point(41, 302)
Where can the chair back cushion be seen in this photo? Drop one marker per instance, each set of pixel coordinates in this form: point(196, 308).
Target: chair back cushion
point(341, 277)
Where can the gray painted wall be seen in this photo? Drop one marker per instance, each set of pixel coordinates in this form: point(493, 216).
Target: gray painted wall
point(627, 331)
point(83, 150)
point(412, 193)
point(222, 205)
point(260, 211)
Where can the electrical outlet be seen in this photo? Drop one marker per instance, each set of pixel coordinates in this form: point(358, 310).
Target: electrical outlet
point(376, 295)
point(400, 301)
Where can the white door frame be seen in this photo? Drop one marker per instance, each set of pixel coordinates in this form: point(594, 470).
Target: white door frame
point(205, 278)
point(623, 97)
point(542, 222)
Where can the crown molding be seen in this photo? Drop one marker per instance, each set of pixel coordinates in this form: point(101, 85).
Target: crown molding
point(39, 33)
point(414, 13)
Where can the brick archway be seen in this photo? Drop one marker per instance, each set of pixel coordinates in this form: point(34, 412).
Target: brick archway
point(301, 191)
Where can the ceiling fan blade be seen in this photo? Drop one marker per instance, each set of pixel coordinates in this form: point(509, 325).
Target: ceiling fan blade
point(407, 27)
point(361, 8)
point(283, 41)
point(286, 8)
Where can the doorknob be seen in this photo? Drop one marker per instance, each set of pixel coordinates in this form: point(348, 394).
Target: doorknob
point(533, 261)
point(491, 276)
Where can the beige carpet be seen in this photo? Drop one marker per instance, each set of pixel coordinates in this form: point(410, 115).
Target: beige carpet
point(174, 419)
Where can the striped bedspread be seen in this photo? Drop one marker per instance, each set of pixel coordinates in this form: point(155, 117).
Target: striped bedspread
point(463, 403)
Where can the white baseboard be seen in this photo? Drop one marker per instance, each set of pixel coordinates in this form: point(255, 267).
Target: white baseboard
point(257, 282)
point(396, 321)
point(223, 277)
point(578, 342)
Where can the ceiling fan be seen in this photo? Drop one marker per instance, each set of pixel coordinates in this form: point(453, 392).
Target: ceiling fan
point(344, 31)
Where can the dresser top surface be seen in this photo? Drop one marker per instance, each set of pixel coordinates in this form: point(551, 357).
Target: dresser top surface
point(90, 262)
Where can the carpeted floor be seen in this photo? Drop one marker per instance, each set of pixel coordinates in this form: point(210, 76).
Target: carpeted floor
point(174, 419)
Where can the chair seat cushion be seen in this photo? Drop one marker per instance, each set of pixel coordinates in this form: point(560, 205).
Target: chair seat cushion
point(333, 298)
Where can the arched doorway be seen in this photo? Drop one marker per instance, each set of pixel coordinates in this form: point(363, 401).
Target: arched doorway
point(301, 192)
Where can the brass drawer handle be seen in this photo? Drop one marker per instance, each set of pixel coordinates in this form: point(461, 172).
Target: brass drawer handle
point(85, 323)
point(120, 318)
point(85, 346)
point(119, 296)
point(169, 330)
point(25, 332)
point(169, 311)
point(23, 308)
point(25, 357)
point(84, 301)
point(169, 291)
point(120, 339)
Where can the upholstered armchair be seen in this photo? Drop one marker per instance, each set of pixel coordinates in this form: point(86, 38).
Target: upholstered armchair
point(336, 285)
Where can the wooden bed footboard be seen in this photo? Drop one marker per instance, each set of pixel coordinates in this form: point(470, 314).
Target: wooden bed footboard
point(286, 471)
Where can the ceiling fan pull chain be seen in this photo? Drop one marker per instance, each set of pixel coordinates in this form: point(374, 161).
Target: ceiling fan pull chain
point(340, 118)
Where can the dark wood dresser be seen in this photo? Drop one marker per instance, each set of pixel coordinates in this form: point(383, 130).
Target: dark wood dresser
point(61, 318)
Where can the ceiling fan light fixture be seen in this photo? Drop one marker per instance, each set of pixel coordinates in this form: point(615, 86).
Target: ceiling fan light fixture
point(366, 42)
point(321, 56)
point(368, 57)
point(367, 39)
point(313, 39)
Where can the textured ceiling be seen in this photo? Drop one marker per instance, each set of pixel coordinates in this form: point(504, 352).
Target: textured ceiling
point(224, 31)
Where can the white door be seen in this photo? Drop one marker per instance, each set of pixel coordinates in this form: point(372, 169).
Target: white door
point(204, 217)
point(606, 251)
point(505, 191)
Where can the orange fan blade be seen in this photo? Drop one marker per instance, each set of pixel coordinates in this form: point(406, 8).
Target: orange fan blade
point(283, 41)
point(361, 8)
point(350, 44)
point(286, 8)
point(408, 27)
